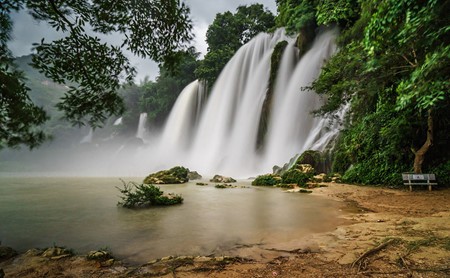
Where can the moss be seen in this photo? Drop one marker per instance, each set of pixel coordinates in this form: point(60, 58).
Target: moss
point(267, 105)
point(174, 175)
point(267, 180)
point(295, 176)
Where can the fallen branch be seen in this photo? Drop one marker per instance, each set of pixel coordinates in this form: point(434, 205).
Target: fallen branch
point(372, 251)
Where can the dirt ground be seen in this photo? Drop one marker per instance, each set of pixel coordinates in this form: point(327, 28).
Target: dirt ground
point(388, 233)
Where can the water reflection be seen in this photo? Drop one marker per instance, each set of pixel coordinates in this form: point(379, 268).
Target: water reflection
point(81, 213)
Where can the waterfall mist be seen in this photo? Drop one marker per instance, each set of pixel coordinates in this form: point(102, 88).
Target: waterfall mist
point(218, 135)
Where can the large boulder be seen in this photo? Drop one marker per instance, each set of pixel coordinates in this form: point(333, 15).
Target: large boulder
point(174, 175)
point(222, 179)
point(193, 175)
point(320, 162)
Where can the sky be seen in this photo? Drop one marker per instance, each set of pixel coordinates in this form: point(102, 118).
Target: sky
point(26, 31)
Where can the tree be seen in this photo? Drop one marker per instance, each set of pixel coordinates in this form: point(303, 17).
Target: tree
point(18, 114)
point(158, 97)
point(228, 33)
point(421, 38)
point(393, 68)
point(157, 29)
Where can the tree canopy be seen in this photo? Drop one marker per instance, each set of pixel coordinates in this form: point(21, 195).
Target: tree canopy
point(228, 33)
point(393, 67)
point(94, 70)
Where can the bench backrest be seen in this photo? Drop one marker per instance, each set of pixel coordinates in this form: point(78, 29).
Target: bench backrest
point(415, 177)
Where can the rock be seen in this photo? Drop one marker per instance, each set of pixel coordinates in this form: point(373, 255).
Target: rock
point(107, 263)
point(174, 175)
point(193, 175)
point(33, 253)
point(336, 178)
point(225, 186)
point(56, 253)
point(222, 179)
point(99, 255)
point(320, 177)
point(6, 253)
point(276, 169)
point(305, 168)
point(304, 191)
point(201, 183)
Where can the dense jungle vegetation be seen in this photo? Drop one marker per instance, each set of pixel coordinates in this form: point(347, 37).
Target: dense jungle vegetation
point(392, 70)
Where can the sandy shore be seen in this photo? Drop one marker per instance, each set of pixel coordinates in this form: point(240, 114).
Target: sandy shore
point(387, 233)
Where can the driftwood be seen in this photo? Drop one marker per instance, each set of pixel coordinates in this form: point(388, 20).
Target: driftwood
point(372, 251)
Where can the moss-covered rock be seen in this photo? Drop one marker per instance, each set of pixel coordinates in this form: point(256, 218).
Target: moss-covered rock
point(174, 175)
point(267, 105)
point(193, 175)
point(296, 176)
point(222, 179)
point(267, 180)
point(321, 162)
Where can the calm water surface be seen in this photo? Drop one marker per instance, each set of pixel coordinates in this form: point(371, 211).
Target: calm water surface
point(81, 213)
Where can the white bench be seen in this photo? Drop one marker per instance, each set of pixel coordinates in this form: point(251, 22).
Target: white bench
point(419, 179)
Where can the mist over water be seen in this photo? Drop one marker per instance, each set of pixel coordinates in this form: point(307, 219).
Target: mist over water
point(217, 135)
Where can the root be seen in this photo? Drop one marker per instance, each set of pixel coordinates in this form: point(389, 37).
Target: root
point(372, 251)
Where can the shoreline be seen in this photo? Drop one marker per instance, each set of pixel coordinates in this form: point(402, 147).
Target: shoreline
point(412, 228)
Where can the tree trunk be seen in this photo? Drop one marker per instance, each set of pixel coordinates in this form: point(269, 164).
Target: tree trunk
point(420, 154)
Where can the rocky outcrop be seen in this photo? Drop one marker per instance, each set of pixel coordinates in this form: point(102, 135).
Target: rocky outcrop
point(193, 175)
point(318, 160)
point(222, 179)
point(174, 175)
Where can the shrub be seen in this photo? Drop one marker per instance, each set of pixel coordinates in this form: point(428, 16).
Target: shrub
point(296, 176)
point(267, 180)
point(442, 174)
point(145, 195)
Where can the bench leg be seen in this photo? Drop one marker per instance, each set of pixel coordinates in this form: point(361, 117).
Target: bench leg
point(410, 188)
point(429, 187)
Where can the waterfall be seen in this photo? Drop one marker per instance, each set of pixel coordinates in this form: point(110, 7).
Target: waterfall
point(141, 130)
point(293, 129)
point(88, 138)
point(184, 116)
point(118, 121)
point(222, 138)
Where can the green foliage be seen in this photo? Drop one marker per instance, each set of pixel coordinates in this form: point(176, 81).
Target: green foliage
point(295, 176)
point(392, 68)
point(442, 173)
point(157, 98)
point(145, 195)
point(275, 60)
point(337, 11)
point(20, 119)
point(174, 175)
point(267, 180)
point(92, 69)
point(296, 15)
point(228, 33)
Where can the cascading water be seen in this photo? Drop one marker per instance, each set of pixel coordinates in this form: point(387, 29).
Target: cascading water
point(141, 130)
point(224, 139)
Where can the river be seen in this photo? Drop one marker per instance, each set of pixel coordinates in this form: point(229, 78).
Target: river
point(82, 213)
